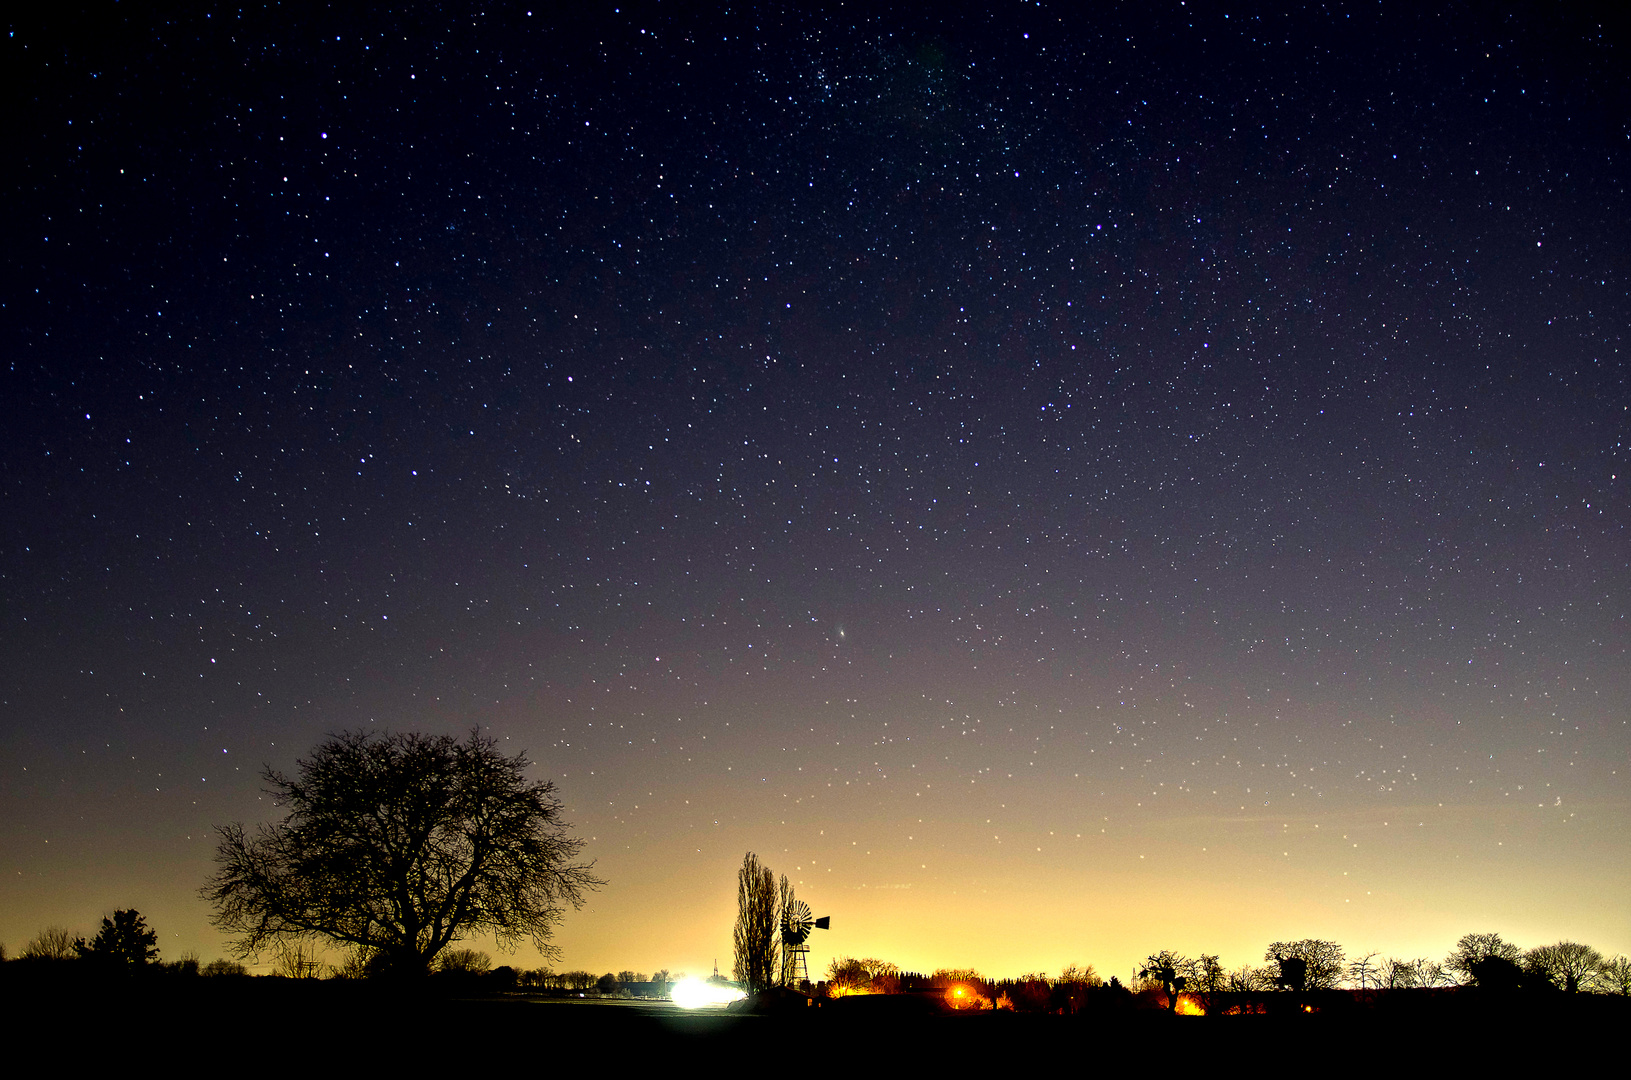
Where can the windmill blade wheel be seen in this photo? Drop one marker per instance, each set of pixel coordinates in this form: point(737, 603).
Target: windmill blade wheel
point(796, 923)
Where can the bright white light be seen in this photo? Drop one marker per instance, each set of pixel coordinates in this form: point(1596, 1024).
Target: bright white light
point(696, 994)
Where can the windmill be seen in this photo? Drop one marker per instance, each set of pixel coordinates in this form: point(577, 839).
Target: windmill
point(796, 927)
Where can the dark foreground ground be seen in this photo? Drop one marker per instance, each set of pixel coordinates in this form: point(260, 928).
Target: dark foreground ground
point(260, 1026)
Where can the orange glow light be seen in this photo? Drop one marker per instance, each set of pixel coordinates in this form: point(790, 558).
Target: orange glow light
point(961, 996)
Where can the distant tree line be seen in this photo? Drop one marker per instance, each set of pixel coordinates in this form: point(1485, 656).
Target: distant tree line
point(1177, 982)
point(124, 946)
point(630, 984)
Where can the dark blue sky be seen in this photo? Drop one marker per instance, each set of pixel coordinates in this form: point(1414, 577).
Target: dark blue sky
point(1216, 414)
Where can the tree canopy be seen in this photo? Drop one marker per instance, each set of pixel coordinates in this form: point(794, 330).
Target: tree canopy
point(1568, 965)
point(398, 845)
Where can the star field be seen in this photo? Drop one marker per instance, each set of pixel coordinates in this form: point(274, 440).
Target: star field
point(1056, 485)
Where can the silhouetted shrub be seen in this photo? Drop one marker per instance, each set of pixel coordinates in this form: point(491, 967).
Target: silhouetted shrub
point(1475, 947)
point(464, 962)
point(1496, 974)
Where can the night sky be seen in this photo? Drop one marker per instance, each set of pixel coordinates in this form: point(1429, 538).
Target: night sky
point(1058, 486)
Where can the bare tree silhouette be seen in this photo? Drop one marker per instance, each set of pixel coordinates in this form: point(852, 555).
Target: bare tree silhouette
point(400, 844)
point(1395, 974)
point(1207, 981)
point(52, 943)
point(1615, 977)
point(1568, 965)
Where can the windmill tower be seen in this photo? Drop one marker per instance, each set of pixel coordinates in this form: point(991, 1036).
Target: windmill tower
point(796, 927)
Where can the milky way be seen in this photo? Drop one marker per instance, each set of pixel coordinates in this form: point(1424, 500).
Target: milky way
point(1056, 486)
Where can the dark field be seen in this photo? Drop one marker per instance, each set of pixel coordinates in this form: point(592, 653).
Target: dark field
point(266, 1025)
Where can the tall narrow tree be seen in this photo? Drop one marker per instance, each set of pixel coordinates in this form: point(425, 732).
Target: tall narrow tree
point(755, 936)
